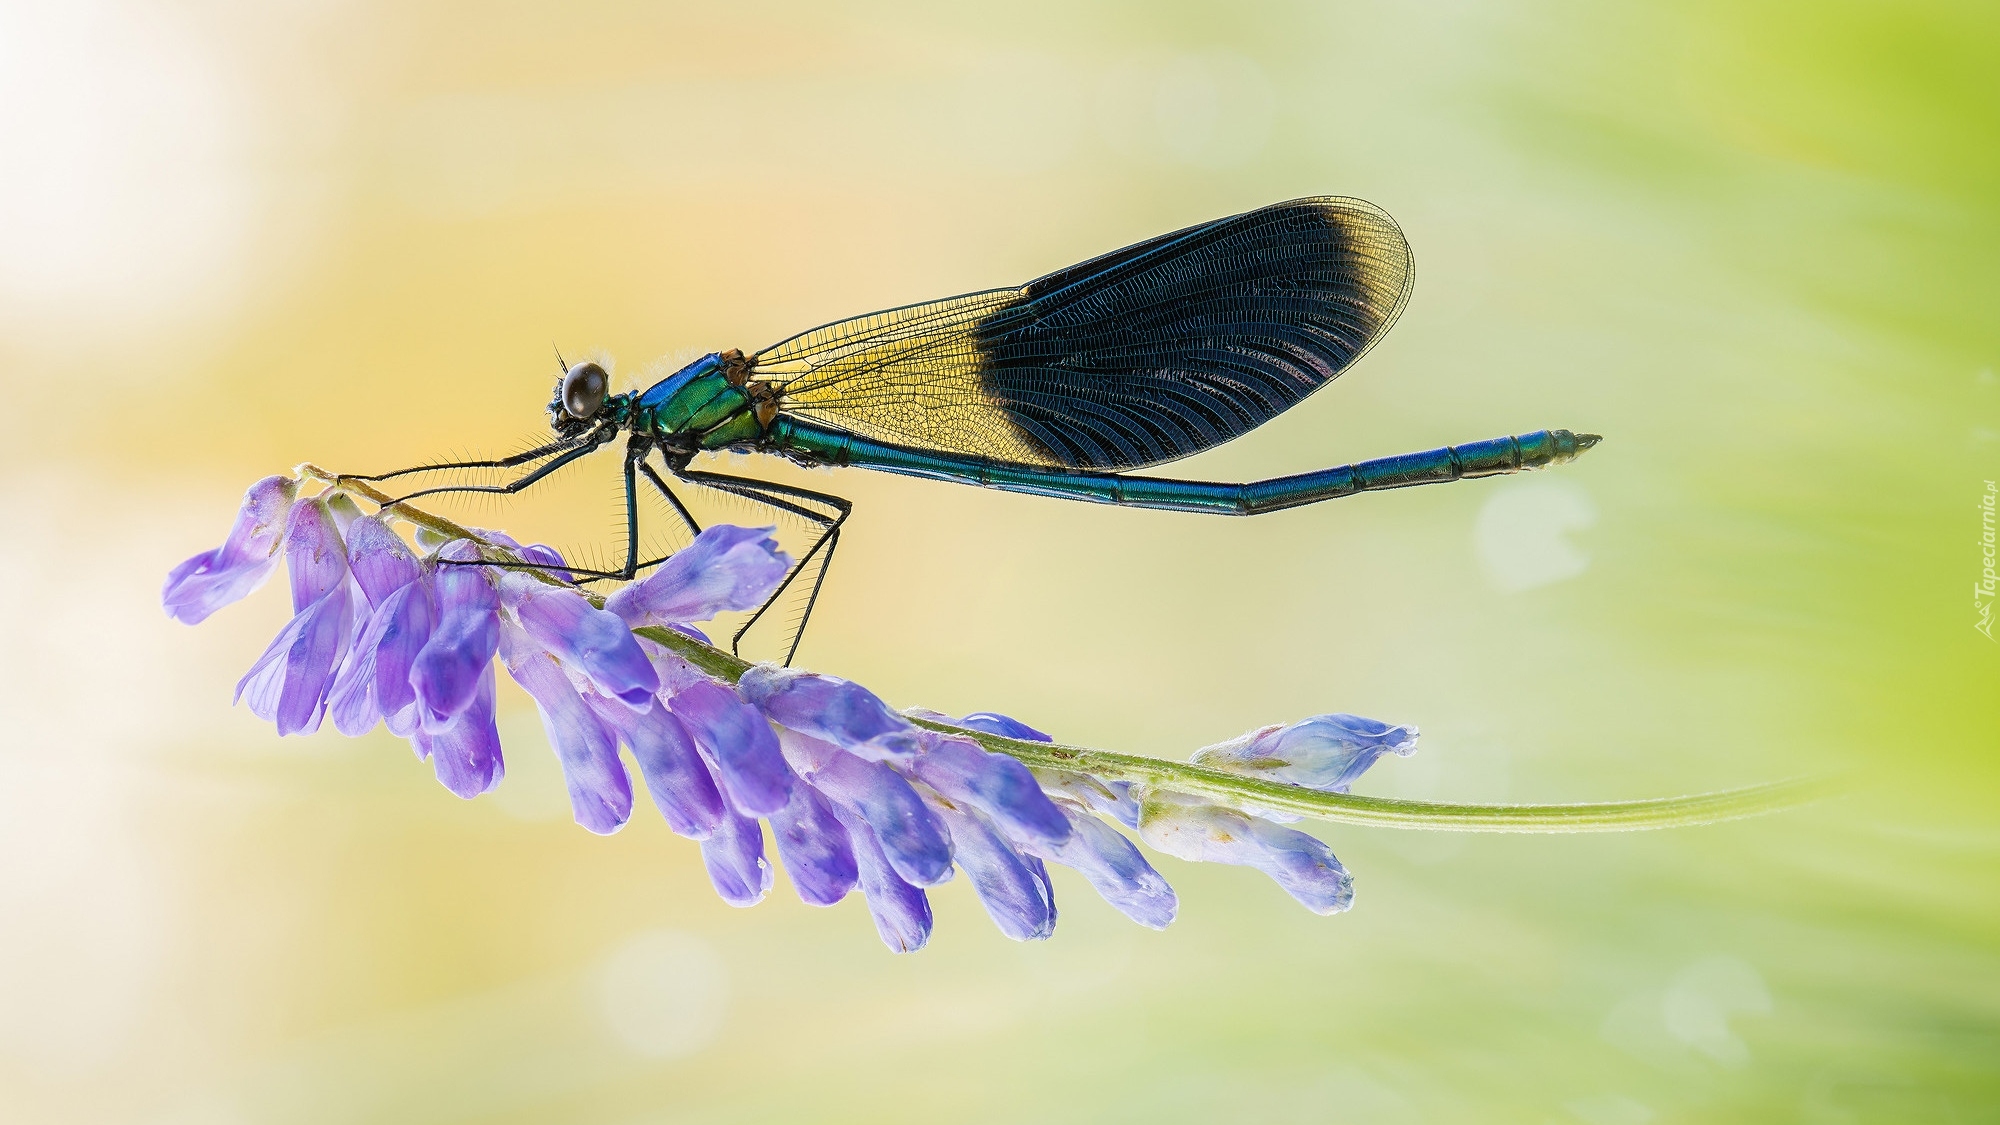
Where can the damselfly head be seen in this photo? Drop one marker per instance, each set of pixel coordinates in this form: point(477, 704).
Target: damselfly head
point(583, 390)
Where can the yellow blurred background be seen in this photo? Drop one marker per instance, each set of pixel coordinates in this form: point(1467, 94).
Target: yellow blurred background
point(1755, 245)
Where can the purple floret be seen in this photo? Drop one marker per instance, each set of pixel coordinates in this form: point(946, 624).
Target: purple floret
point(229, 573)
point(734, 855)
point(815, 847)
point(600, 794)
point(462, 643)
point(738, 745)
point(288, 685)
point(725, 568)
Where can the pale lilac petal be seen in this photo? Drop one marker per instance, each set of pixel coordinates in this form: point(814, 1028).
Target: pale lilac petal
point(1192, 830)
point(909, 832)
point(343, 509)
point(289, 683)
point(832, 710)
point(992, 722)
point(725, 568)
point(382, 563)
point(734, 856)
point(814, 845)
point(999, 786)
point(599, 792)
point(1327, 752)
point(676, 674)
point(902, 912)
point(406, 618)
point(446, 672)
point(1007, 886)
point(314, 553)
point(466, 754)
point(532, 552)
point(1112, 798)
point(350, 703)
point(547, 556)
point(739, 746)
point(377, 668)
point(1115, 868)
point(586, 639)
point(1045, 884)
point(215, 578)
point(678, 780)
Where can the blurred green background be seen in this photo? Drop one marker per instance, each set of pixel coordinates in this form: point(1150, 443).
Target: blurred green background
point(1755, 245)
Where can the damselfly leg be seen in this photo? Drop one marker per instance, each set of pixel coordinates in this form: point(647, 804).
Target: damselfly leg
point(501, 463)
point(792, 499)
point(826, 513)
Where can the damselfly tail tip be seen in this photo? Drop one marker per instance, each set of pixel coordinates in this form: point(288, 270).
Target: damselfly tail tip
point(1587, 441)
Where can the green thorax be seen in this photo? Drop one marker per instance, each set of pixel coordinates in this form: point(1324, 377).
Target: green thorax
point(709, 401)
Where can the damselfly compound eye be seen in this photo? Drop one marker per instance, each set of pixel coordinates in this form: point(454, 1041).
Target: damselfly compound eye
point(583, 390)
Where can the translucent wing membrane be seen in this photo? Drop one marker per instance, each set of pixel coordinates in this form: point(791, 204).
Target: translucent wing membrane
point(1140, 356)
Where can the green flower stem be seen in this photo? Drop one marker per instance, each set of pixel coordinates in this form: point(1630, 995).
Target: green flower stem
point(1203, 781)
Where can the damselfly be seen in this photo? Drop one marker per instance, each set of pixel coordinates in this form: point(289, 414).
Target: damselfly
point(1056, 388)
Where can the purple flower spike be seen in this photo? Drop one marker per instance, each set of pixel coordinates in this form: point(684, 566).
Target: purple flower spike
point(463, 642)
point(1326, 752)
point(734, 856)
point(909, 832)
point(681, 786)
point(725, 568)
point(739, 746)
point(466, 754)
point(585, 638)
point(902, 912)
point(999, 786)
point(832, 710)
point(599, 792)
point(1014, 898)
point(1115, 868)
point(814, 845)
point(381, 561)
point(856, 795)
point(1203, 833)
point(215, 578)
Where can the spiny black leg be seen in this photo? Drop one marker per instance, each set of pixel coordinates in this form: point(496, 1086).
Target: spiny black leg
point(502, 463)
point(515, 486)
point(765, 492)
point(636, 449)
point(725, 482)
point(686, 516)
point(587, 574)
point(830, 541)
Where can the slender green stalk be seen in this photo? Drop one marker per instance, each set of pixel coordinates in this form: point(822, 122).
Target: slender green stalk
point(1203, 781)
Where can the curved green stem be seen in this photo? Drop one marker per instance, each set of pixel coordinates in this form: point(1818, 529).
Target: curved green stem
point(1204, 781)
point(1345, 808)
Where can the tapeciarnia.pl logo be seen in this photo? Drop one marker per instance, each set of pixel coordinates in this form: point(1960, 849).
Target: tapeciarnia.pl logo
point(1984, 589)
